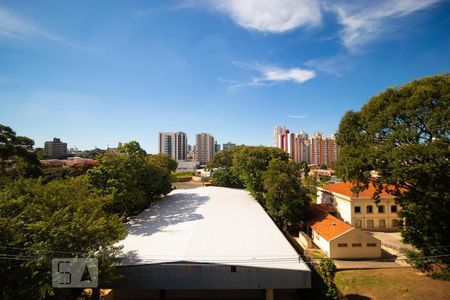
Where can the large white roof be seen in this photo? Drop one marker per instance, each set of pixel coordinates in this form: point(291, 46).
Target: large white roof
point(208, 225)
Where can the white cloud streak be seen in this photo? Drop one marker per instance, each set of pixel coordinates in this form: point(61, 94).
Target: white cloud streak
point(270, 75)
point(14, 26)
point(269, 15)
point(362, 25)
point(297, 116)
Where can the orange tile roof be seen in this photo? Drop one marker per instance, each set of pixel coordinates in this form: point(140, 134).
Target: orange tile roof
point(326, 225)
point(345, 188)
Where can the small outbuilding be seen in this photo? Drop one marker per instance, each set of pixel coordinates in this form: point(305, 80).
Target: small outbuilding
point(339, 240)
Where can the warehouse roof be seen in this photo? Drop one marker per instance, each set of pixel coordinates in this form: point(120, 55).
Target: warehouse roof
point(209, 225)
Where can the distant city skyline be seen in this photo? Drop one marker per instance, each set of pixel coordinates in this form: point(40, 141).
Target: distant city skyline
point(95, 73)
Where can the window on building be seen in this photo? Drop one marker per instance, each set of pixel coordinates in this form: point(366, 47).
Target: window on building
point(369, 223)
point(395, 223)
point(371, 244)
point(382, 223)
point(369, 209)
point(393, 208)
point(381, 209)
point(357, 209)
point(342, 245)
point(356, 245)
point(358, 223)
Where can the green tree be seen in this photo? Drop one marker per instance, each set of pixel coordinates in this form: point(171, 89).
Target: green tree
point(163, 160)
point(285, 199)
point(132, 178)
point(38, 222)
point(92, 154)
point(16, 156)
point(132, 148)
point(250, 163)
point(403, 134)
point(305, 168)
point(225, 177)
point(327, 269)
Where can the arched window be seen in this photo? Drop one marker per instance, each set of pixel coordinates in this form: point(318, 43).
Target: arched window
point(382, 223)
point(358, 223)
point(369, 223)
point(395, 223)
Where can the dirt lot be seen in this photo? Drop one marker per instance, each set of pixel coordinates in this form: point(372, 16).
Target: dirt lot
point(390, 284)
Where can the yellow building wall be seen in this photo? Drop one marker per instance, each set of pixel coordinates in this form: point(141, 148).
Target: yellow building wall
point(375, 216)
point(345, 207)
point(354, 236)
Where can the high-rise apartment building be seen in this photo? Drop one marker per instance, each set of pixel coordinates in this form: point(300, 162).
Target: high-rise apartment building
point(204, 148)
point(173, 144)
point(276, 133)
point(318, 150)
point(333, 150)
point(324, 150)
point(55, 148)
point(302, 148)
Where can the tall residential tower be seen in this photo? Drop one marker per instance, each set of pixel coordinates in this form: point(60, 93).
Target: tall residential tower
point(204, 148)
point(173, 144)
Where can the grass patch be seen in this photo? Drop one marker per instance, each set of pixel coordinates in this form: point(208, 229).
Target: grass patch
point(401, 283)
point(183, 174)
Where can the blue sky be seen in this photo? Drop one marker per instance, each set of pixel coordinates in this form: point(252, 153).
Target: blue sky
point(98, 72)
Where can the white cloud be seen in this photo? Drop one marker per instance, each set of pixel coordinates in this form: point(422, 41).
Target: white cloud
point(297, 116)
point(17, 27)
point(269, 75)
point(363, 24)
point(269, 15)
point(14, 26)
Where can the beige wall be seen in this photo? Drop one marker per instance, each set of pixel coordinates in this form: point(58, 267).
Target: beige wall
point(320, 242)
point(345, 207)
point(355, 236)
point(375, 216)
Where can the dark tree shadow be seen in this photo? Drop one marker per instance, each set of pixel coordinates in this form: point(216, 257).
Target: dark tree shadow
point(171, 210)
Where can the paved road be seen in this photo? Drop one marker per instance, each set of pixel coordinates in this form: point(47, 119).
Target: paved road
point(367, 264)
point(391, 239)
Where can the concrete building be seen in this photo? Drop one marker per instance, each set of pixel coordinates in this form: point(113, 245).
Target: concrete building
point(302, 148)
point(228, 146)
point(318, 150)
point(216, 147)
point(360, 210)
point(173, 144)
point(324, 150)
point(276, 133)
point(55, 149)
point(339, 240)
point(286, 142)
point(204, 148)
point(208, 242)
point(187, 166)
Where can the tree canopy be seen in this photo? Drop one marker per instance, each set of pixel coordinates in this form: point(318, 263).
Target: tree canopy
point(403, 134)
point(132, 178)
point(38, 222)
point(16, 156)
